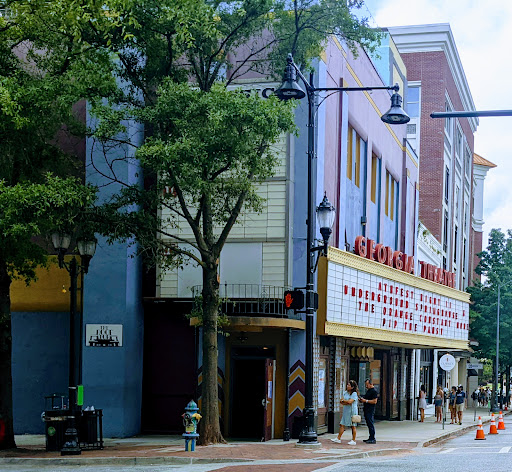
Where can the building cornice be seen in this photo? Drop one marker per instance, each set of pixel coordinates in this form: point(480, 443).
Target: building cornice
point(436, 37)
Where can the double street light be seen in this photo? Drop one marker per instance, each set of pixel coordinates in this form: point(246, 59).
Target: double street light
point(290, 89)
point(86, 250)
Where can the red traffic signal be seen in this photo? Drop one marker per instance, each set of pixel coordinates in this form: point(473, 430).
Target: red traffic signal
point(294, 299)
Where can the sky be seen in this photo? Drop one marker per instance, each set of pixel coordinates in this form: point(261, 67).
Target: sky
point(483, 35)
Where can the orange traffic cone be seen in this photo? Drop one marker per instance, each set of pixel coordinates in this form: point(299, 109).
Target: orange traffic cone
point(480, 430)
point(501, 423)
point(493, 429)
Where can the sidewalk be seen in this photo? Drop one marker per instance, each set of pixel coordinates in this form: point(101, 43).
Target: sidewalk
point(393, 437)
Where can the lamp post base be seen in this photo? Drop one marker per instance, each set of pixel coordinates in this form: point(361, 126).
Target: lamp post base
point(308, 436)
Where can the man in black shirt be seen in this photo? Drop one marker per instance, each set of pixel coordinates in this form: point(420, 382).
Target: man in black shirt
point(369, 400)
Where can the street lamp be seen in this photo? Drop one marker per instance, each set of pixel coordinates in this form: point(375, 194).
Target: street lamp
point(325, 214)
point(495, 406)
point(288, 90)
point(86, 250)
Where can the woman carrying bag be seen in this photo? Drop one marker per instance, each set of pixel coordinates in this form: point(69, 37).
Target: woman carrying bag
point(350, 417)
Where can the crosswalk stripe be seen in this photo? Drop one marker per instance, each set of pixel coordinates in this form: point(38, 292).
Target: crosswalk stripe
point(446, 451)
point(504, 450)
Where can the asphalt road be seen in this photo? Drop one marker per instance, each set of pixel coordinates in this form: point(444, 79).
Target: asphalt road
point(462, 454)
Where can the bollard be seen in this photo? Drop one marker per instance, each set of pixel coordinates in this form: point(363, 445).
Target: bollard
point(191, 419)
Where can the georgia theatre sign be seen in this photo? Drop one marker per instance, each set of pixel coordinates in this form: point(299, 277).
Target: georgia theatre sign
point(381, 293)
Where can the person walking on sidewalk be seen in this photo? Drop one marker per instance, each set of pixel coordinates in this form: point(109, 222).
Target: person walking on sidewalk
point(459, 402)
point(451, 404)
point(349, 400)
point(422, 403)
point(369, 400)
point(438, 403)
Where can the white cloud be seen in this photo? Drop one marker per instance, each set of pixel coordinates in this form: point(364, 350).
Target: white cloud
point(483, 37)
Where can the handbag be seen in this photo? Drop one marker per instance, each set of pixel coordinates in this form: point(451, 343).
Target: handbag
point(356, 418)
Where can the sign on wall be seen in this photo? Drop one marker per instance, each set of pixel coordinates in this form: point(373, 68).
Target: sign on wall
point(102, 335)
point(362, 299)
point(447, 362)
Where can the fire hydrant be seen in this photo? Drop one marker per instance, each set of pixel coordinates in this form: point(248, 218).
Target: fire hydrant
point(191, 419)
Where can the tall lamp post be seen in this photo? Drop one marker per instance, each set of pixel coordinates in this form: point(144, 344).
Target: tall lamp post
point(495, 402)
point(86, 250)
point(288, 90)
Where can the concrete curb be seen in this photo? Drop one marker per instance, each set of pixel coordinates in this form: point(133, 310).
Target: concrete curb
point(172, 460)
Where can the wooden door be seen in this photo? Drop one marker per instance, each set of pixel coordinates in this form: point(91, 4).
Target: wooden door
point(268, 400)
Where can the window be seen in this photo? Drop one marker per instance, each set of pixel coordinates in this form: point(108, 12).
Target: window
point(390, 205)
point(456, 236)
point(458, 142)
point(457, 196)
point(357, 164)
point(413, 102)
point(445, 232)
point(349, 153)
point(464, 265)
point(373, 188)
point(467, 162)
point(355, 146)
point(446, 185)
point(448, 121)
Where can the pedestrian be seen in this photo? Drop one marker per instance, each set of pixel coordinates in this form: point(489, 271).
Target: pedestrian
point(422, 403)
point(474, 397)
point(349, 400)
point(453, 410)
point(438, 403)
point(369, 400)
point(459, 402)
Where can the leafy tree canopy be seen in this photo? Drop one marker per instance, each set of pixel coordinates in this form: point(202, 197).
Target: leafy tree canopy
point(496, 268)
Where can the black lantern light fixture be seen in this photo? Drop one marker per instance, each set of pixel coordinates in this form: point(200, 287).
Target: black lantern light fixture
point(325, 214)
point(86, 250)
point(288, 90)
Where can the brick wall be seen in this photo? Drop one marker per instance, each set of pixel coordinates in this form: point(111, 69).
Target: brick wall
point(432, 70)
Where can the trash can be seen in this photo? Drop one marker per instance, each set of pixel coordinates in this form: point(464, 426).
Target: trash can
point(90, 429)
point(56, 423)
point(55, 417)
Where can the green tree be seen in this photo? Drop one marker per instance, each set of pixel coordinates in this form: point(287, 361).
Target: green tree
point(209, 145)
point(39, 86)
point(496, 267)
point(29, 210)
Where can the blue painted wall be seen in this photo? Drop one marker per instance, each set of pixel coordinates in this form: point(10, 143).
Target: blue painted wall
point(112, 376)
point(40, 365)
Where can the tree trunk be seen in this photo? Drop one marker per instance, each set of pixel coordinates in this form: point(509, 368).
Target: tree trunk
point(210, 426)
point(6, 418)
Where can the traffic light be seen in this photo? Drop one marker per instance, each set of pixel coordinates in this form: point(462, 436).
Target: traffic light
point(294, 299)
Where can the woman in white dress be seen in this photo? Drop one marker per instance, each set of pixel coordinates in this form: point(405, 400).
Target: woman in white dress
point(422, 404)
point(349, 401)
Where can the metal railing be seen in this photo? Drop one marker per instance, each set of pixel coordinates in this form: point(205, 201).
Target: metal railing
point(251, 299)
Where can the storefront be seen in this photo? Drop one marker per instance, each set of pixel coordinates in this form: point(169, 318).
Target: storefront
point(380, 314)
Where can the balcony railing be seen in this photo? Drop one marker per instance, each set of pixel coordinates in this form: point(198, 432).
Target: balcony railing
point(251, 300)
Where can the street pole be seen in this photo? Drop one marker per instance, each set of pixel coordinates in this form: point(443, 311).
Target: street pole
point(72, 445)
point(495, 408)
point(289, 89)
point(308, 435)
